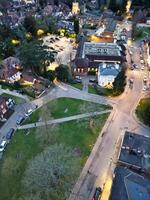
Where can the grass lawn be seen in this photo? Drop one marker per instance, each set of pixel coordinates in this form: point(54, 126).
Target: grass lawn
point(80, 135)
point(141, 33)
point(91, 89)
point(64, 107)
point(15, 98)
point(77, 85)
point(102, 91)
point(143, 111)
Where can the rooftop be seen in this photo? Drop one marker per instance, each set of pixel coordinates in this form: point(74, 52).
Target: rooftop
point(135, 151)
point(128, 185)
point(107, 69)
point(101, 49)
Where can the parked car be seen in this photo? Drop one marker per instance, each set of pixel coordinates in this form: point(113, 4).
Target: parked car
point(145, 79)
point(135, 66)
point(10, 134)
point(3, 145)
point(142, 67)
point(142, 61)
point(92, 80)
point(97, 193)
point(20, 120)
point(28, 112)
point(144, 88)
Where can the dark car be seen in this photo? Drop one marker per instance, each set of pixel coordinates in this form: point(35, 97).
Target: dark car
point(20, 119)
point(97, 193)
point(10, 134)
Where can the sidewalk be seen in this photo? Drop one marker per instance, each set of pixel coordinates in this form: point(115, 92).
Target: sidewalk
point(14, 93)
point(61, 120)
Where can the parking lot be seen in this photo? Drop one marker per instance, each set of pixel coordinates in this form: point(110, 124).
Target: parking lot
point(62, 48)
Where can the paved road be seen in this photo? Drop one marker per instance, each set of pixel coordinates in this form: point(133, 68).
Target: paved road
point(99, 164)
point(64, 119)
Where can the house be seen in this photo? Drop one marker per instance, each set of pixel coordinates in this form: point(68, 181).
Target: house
point(107, 73)
point(135, 152)
point(131, 178)
point(6, 103)
point(10, 70)
point(128, 185)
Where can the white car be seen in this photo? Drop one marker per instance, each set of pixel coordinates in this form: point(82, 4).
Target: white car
point(142, 67)
point(142, 61)
point(144, 88)
point(29, 112)
point(145, 79)
point(3, 145)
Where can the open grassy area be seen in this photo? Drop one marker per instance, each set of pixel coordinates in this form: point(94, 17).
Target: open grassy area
point(80, 135)
point(100, 91)
point(141, 33)
point(15, 98)
point(77, 85)
point(143, 111)
point(91, 89)
point(65, 107)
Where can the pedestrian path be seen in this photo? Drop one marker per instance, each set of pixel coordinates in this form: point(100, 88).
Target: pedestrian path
point(64, 119)
point(14, 93)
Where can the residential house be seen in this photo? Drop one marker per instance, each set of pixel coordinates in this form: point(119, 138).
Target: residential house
point(107, 73)
point(6, 103)
point(131, 177)
point(10, 70)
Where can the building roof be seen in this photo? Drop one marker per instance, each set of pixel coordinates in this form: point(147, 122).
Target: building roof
point(107, 69)
point(101, 49)
point(128, 185)
point(110, 24)
point(135, 151)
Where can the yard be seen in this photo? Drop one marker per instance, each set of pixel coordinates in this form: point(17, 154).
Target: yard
point(64, 107)
point(143, 111)
point(79, 135)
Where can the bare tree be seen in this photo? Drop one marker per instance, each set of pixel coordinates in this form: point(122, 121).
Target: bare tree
point(52, 173)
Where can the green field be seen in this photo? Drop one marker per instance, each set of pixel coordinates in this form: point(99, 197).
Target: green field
point(143, 111)
point(64, 107)
point(80, 135)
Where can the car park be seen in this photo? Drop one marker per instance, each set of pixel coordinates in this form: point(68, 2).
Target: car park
point(10, 134)
point(97, 194)
point(3, 145)
point(20, 120)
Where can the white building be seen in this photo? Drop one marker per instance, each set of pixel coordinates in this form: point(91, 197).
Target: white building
point(107, 73)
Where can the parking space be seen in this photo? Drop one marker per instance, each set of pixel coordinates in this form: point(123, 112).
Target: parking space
point(62, 48)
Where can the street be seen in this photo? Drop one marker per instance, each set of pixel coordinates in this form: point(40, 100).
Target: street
point(105, 150)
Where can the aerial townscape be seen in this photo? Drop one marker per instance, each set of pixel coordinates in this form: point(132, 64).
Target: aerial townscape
point(74, 99)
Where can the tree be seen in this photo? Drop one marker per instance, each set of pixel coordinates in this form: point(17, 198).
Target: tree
point(30, 24)
point(62, 73)
point(52, 173)
point(42, 3)
point(119, 82)
point(35, 56)
point(4, 5)
point(51, 24)
point(76, 25)
point(51, 75)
